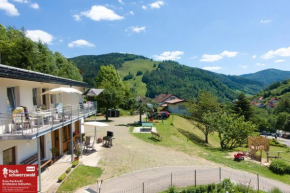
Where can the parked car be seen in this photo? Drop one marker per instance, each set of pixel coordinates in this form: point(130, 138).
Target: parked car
point(166, 112)
point(159, 116)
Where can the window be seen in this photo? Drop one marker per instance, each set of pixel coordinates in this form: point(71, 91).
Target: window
point(9, 156)
point(34, 96)
point(11, 99)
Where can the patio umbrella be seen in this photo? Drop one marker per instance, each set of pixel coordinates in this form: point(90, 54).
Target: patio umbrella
point(96, 124)
point(62, 90)
point(93, 92)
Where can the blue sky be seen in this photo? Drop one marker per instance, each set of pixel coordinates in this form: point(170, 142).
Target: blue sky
point(224, 36)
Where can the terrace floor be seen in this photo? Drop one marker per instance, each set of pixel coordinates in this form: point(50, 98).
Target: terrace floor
point(50, 176)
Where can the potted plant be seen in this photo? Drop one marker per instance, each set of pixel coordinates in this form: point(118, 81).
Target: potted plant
point(77, 154)
point(54, 151)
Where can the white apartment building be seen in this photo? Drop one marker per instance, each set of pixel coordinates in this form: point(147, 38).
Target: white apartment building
point(51, 120)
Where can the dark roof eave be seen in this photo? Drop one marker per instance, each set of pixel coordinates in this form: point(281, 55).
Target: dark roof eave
point(21, 74)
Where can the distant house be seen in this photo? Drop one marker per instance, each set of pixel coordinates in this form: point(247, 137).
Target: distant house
point(177, 106)
point(163, 98)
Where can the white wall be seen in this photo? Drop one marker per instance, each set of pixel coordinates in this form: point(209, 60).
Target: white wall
point(23, 149)
point(174, 108)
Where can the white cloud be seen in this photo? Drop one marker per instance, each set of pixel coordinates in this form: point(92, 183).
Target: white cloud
point(39, 35)
point(243, 66)
point(254, 57)
point(212, 68)
point(216, 57)
point(278, 61)
point(210, 58)
point(135, 29)
point(98, 13)
point(175, 55)
point(131, 12)
point(77, 17)
point(144, 7)
point(156, 5)
point(34, 5)
point(229, 54)
point(259, 64)
point(80, 43)
point(266, 21)
point(283, 52)
point(8, 8)
point(120, 1)
point(21, 1)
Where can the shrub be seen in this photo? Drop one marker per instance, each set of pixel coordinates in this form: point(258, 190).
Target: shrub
point(68, 170)
point(128, 77)
point(75, 163)
point(139, 73)
point(62, 177)
point(279, 167)
point(274, 142)
point(275, 190)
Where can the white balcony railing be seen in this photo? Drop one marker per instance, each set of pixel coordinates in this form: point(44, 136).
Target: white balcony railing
point(35, 123)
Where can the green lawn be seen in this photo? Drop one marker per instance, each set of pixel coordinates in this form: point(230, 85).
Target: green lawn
point(181, 135)
point(80, 177)
point(133, 67)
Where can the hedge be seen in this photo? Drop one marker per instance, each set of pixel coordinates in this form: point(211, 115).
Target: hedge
point(280, 167)
point(68, 170)
point(75, 163)
point(62, 177)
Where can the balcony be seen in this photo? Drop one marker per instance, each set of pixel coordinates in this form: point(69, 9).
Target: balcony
point(21, 126)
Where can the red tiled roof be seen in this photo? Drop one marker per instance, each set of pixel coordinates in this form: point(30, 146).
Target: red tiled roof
point(162, 97)
point(175, 101)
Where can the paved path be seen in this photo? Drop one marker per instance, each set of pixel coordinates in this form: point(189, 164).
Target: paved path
point(284, 141)
point(130, 154)
point(50, 175)
point(159, 179)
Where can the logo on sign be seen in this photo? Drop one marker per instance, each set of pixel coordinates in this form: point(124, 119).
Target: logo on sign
point(5, 172)
point(30, 168)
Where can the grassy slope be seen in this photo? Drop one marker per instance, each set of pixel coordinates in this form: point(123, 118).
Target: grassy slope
point(133, 66)
point(191, 142)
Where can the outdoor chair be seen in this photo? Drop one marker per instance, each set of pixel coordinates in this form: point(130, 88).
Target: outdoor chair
point(21, 119)
point(88, 143)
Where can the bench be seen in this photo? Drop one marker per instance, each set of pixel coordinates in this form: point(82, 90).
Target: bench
point(147, 125)
point(154, 134)
point(33, 160)
point(29, 161)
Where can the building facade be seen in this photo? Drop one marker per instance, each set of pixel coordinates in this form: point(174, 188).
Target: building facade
point(33, 123)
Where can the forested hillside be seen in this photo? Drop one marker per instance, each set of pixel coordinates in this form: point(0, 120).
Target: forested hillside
point(19, 51)
point(268, 76)
point(276, 89)
point(91, 64)
point(184, 82)
point(168, 76)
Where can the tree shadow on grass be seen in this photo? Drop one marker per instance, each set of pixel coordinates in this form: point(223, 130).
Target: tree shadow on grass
point(193, 138)
point(154, 139)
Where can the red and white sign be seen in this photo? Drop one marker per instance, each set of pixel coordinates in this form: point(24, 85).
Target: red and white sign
point(18, 178)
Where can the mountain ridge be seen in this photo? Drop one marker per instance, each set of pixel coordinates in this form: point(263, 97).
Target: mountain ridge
point(225, 86)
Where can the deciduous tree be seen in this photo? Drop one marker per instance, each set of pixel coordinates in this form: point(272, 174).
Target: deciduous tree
point(205, 104)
